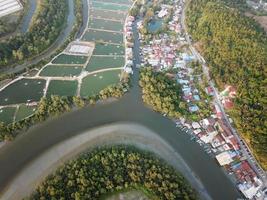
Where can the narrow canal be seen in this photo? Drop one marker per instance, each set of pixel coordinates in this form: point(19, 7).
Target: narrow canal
point(26, 21)
point(130, 108)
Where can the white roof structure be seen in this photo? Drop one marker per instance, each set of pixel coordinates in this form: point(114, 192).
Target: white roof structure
point(209, 137)
point(79, 49)
point(224, 158)
point(9, 6)
point(250, 190)
point(195, 125)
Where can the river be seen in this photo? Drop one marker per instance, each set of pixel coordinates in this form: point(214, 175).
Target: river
point(130, 108)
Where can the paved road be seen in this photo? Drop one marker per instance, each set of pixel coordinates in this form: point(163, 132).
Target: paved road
point(245, 149)
point(29, 146)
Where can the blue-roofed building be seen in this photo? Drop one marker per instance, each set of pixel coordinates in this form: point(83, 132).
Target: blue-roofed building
point(193, 108)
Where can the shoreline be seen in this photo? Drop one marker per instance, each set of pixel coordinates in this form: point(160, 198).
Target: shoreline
point(117, 133)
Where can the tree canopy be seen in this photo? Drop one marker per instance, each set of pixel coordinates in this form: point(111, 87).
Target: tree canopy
point(235, 48)
point(110, 169)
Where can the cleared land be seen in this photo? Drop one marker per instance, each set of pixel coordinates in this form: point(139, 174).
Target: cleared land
point(101, 62)
point(103, 36)
point(94, 83)
point(62, 88)
point(69, 59)
point(21, 91)
point(110, 6)
point(7, 114)
point(61, 71)
point(108, 49)
point(24, 112)
point(105, 24)
point(108, 14)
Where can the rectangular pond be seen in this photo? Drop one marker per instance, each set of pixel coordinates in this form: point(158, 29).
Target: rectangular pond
point(104, 62)
point(22, 91)
point(94, 83)
point(62, 88)
point(69, 59)
point(61, 71)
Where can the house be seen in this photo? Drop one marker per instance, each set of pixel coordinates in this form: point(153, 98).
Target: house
point(224, 158)
point(209, 91)
point(196, 125)
point(193, 108)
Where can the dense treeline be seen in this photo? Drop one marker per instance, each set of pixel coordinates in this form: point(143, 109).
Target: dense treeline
point(111, 169)
point(55, 106)
point(235, 48)
point(161, 93)
point(44, 30)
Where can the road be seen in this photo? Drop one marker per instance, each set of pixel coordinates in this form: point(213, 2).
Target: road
point(28, 147)
point(245, 149)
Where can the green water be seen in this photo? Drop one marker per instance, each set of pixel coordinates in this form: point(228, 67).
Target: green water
point(61, 71)
point(92, 84)
point(62, 88)
point(102, 62)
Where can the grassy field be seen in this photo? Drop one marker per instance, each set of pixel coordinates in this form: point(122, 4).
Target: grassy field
point(24, 112)
point(7, 114)
point(110, 6)
point(69, 59)
point(108, 49)
point(105, 24)
point(101, 62)
point(62, 88)
point(94, 83)
point(108, 14)
point(56, 70)
point(98, 36)
point(21, 91)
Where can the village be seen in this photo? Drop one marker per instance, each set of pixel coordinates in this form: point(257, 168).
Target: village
point(167, 51)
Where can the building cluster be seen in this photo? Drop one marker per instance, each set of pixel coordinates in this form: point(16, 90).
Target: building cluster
point(217, 138)
point(161, 52)
point(128, 34)
point(165, 52)
point(227, 96)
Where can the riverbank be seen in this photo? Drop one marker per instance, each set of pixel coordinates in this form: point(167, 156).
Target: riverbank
point(119, 133)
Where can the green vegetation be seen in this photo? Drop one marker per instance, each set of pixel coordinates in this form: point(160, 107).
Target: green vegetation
point(22, 90)
point(110, 169)
point(61, 70)
point(93, 84)
point(69, 59)
point(45, 28)
point(102, 62)
point(62, 88)
point(235, 48)
point(161, 93)
point(7, 114)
